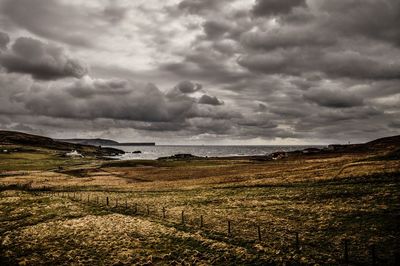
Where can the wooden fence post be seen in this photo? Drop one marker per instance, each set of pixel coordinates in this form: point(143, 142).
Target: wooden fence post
point(116, 203)
point(373, 254)
point(201, 221)
point(126, 204)
point(107, 201)
point(148, 209)
point(229, 228)
point(163, 212)
point(88, 198)
point(346, 251)
point(259, 232)
point(183, 217)
point(297, 242)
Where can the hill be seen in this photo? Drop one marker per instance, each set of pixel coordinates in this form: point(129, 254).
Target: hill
point(24, 139)
point(94, 142)
point(378, 145)
point(105, 142)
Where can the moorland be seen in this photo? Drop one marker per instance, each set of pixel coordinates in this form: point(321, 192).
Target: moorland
point(335, 206)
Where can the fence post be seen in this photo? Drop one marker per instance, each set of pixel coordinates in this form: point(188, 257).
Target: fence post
point(183, 217)
point(346, 251)
point(126, 204)
point(107, 201)
point(88, 198)
point(229, 227)
point(148, 209)
point(297, 242)
point(201, 221)
point(396, 258)
point(373, 254)
point(163, 212)
point(116, 203)
point(259, 232)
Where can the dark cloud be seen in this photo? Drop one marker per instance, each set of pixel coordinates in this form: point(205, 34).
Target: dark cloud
point(113, 99)
point(335, 64)
point(216, 29)
point(42, 61)
point(115, 13)
point(57, 20)
point(372, 19)
point(87, 88)
point(338, 38)
point(334, 99)
point(287, 37)
point(4, 40)
point(211, 100)
point(315, 70)
point(143, 102)
point(275, 7)
point(200, 6)
point(188, 86)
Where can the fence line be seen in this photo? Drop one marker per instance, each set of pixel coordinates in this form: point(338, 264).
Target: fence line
point(199, 222)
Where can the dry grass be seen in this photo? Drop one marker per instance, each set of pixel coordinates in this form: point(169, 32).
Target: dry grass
point(323, 199)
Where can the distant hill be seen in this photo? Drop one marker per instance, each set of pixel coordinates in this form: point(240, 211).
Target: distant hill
point(24, 139)
point(381, 144)
point(105, 142)
point(94, 142)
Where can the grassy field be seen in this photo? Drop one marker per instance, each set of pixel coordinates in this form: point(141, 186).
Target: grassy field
point(296, 211)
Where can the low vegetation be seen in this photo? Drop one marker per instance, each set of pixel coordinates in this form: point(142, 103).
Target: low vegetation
point(302, 210)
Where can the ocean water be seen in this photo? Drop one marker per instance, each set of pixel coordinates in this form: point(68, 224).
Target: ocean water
point(154, 152)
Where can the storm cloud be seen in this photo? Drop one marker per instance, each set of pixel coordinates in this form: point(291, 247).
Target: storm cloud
point(4, 40)
point(211, 100)
point(240, 71)
point(276, 7)
point(42, 61)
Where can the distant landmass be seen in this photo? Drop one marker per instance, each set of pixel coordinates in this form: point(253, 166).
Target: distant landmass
point(106, 142)
point(12, 138)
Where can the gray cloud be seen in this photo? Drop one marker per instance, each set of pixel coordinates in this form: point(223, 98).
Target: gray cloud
point(276, 7)
point(216, 29)
point(42, 61)
point(334, 64)
point(188, 86)
point(114, 13)
point(4, 40)
point(89, 98)
point(200, 6)
point(143, 102)
point(334, 99)
point(49, 19)
point(211, 100)
point(315, 70)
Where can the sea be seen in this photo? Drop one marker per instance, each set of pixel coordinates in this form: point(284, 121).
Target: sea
point(154, 152)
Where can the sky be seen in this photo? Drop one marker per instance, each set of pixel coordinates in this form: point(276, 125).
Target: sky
point(201, 71)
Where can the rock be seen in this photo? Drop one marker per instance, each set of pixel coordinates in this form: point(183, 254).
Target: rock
point(311, 151)
point(278, 155)
point(181, 156)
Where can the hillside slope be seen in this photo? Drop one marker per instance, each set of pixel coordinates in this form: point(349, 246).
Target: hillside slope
point(24, 139)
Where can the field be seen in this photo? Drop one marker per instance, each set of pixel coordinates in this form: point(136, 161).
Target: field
point(334, 209)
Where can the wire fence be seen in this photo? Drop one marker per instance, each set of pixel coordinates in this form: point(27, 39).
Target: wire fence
point(263, 236)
